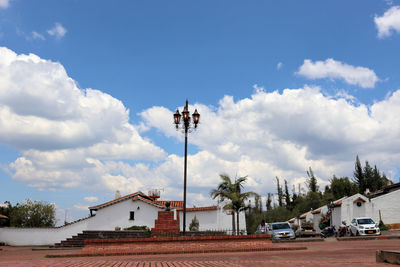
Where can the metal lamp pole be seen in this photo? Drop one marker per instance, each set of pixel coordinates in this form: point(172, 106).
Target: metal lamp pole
point(186, 125)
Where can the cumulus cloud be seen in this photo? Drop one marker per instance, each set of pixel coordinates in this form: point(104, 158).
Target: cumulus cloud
point(70, 137)
point(4, 4)
point(389, 22)
point(333, 69)
point(66, 135)
point(57, 31)
point(282, 134)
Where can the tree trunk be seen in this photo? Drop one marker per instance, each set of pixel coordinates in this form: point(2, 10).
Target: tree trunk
point(237, 221)
point(233, 223)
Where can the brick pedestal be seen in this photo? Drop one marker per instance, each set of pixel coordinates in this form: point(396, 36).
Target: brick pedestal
point(165, 225)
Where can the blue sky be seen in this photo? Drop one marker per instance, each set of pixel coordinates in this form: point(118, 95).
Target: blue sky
point(280, 85)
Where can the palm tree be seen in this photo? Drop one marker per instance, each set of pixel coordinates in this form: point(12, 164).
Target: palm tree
point(232, 192)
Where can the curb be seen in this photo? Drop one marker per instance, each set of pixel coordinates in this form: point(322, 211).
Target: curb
point(379, 237)
point(174, 252)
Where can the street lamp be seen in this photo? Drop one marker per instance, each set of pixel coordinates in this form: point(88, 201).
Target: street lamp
point(186, 125)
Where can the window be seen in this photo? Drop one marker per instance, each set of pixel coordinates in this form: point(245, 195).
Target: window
point(132, 215)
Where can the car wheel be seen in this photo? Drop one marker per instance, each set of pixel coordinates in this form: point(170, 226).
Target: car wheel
point(357, 233)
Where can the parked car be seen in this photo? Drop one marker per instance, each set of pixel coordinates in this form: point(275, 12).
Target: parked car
point(306, 230)
point(281, 230)
point(364, 226)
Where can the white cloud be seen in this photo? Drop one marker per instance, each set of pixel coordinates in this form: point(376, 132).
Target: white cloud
point(70, 137)
point(389, 22)
point(91, 199)
point(66, 135)
point(36, 35)
point(282, 134)
point(57, 31)
point(279, 65)
point(333, 69)
point(4, 4)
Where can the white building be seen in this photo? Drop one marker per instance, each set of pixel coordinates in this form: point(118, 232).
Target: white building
point(382, 205)
point(126, 211)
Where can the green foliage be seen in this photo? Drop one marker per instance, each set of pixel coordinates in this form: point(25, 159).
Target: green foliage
point(137, 228)
point(268, 204)
point(311, 181)
point(382, 226)
point(325, 221)
point(368, 177)
point(280, 192)
point(287, 197)
point(232, 191)
point(6, 212)
point(32, 214)
point(341, 187)
point(194, 224)
point(359, 176)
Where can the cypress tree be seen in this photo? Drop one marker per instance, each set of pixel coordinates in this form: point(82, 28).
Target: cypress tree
point(358, 176)
point(312, 181)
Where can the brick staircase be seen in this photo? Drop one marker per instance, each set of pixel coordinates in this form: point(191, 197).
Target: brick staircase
point(78, 240)
point(165, 225)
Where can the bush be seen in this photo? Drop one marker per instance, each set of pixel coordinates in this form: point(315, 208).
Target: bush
point(382, 226)
point(137, 228)
point(194, 225)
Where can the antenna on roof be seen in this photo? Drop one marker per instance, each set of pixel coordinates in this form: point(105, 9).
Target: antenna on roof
point(155, 193)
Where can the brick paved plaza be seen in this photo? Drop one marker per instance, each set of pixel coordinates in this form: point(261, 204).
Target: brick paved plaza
point(327, 253)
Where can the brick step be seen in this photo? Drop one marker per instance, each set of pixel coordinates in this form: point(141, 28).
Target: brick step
point(78, 240)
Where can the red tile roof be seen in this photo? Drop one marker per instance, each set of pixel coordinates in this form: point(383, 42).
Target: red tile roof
point(316, 211)
point(303, 216)
point(174, 204)
point(114, 201)
point(202, 208)
point(158, 203)
point(359, 199)
point(3, 216)
point(337, 203)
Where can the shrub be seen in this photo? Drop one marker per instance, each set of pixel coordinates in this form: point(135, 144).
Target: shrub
point(194, 225)
point(382, 226)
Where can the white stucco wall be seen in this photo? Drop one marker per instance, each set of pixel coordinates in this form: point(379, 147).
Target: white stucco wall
point(389, 205)
point(40, 236)
point(112, 216)
point(217, 220)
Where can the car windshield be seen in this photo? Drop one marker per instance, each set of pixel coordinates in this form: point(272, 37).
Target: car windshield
point(278, 226)
point(365, 221)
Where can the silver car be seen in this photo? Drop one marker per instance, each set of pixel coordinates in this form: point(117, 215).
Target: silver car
point(281, 230)
point(364, 226)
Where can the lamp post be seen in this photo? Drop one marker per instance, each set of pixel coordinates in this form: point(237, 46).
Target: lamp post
point(186, 126)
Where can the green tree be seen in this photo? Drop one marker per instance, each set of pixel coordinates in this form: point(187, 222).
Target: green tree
point(358, 176)
point(6, 210)
point(311, 181)
point(369, 177)
point(287, 197)
point(233, 192)
point(268, 204)
point(280, 192)
point(341, 187)
point(33, 214)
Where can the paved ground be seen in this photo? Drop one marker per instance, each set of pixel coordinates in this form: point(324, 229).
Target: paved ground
point(328, 253)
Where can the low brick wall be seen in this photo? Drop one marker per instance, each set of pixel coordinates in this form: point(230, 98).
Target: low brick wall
point(178, 245)
point(388, 256)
